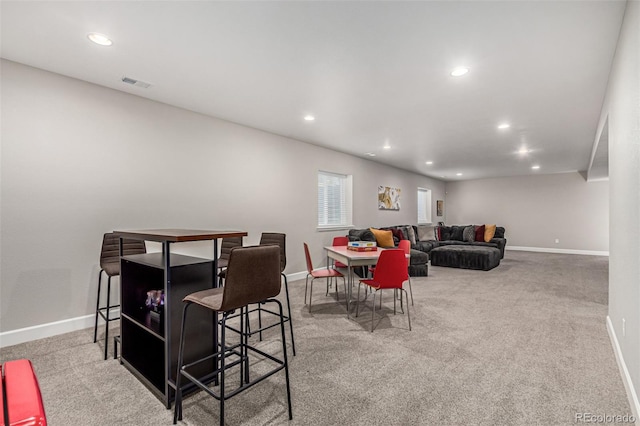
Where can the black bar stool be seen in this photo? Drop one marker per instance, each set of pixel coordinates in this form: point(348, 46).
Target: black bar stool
point(276, 239)
point(110, 265)
point(252, 276)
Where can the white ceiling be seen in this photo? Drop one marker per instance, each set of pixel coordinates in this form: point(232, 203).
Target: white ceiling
point(370, 72)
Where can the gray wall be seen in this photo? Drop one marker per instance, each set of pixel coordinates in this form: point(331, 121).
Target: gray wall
point(536, 210)
point(79, 160)
point(622, 107)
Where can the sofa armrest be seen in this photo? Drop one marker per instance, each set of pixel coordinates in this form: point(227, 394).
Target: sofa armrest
point(501, 243)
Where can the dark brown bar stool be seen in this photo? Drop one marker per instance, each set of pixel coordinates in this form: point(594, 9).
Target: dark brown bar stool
point(279, 239)
point(110, 265)
point(252, 276)
point(227, 245)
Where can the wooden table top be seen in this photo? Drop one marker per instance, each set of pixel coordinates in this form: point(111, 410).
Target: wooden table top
point(178, 235)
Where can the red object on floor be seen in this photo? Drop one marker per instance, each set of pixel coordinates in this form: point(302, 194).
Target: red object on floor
point(2, 420)
point(24, 405)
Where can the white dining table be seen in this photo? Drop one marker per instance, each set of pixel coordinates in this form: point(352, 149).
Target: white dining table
point(353, 258)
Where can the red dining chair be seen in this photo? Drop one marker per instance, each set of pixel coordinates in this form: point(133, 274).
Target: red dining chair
point(406, 246)
point(391, 272)
point(338, 241)
point(320, 273)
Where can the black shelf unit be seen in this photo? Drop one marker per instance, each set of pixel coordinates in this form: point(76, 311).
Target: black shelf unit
point(150, 344)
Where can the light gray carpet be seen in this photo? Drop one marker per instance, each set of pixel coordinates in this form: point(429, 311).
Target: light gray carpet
point(523, 344)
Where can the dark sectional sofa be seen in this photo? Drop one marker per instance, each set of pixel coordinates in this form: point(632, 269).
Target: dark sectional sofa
point(453, 235)
point(434, 237)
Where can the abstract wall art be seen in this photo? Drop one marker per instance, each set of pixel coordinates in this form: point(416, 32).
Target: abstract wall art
point(388, 198)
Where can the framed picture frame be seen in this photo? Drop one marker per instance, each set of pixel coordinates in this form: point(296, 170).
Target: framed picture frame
point(440, 208)
point(388, 198)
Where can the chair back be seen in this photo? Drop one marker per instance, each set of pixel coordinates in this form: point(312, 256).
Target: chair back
point(340, 241)
point(405, 245)
point(110, 253)
point(278, 239)
point(227, 245)
point(392, 269)
point(308, 258)
point(253, 275)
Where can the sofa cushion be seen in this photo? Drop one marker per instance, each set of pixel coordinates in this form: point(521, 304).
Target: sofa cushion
point(361, 235)
point(426, 233)
point(489, 232)
point(383, 238)
point(479, 233)
point(444, 233)
point(397, 233)
point(456, 232)
point(469, 234)
point(426, 246)
point(412, 235)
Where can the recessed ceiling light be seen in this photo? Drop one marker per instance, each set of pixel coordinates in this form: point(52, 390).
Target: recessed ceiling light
point(504, 126)
point(458, 174)
point(309, 118)
point(523, 151)
point(387, 147)
point(459, 71)
point(100, 39)
point(428, 163)
point(370, 154)
point(535, 167)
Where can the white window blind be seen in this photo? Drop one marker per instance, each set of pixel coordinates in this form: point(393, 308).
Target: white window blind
point(424, 205)
point(334, 200)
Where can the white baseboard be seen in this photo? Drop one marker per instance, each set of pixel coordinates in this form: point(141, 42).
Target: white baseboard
point(27, 334)
point(622, 366)
point(557, 250)
point(296, 276)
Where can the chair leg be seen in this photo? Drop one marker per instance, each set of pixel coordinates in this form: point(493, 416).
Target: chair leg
point(177, 413)
point(346, 295)
point(408, 313)
point(223, 350)
point(95, 329)
point(244, 338)
point(306, 282)
point(286, 289)
point(358, 299)
point(394, 301)
point(108, 312)
point(373, 311)
point(311, 293)
point(285, 359)
point(411, 290)
point(259, 321)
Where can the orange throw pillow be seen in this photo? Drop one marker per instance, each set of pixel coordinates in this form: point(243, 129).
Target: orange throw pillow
point(383, 238)
point(489, 232)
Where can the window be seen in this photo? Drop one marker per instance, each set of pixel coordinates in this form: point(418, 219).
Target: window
point(424, 205)
point(334, 200)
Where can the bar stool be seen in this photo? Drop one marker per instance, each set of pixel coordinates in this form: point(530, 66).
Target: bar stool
point(253, 276)
point(110, 265)
point(225, 249)
point(277, 239)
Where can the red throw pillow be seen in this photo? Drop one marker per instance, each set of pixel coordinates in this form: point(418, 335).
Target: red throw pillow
point(480, 233)
point(397, 232)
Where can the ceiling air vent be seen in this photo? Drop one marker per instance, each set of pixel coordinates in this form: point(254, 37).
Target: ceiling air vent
point(135, 82)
